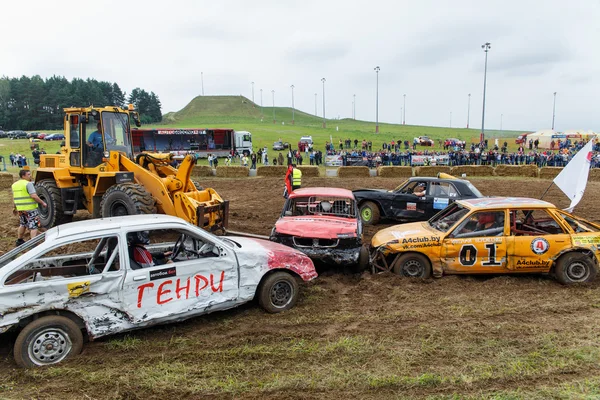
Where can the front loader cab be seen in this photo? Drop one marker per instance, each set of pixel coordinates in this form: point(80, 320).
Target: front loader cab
point(107, 130)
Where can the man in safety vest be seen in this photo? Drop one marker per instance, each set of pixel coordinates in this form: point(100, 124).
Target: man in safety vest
point(26, 205)
point(296, 177)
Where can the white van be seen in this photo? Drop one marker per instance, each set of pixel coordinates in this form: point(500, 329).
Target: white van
point(306, 139)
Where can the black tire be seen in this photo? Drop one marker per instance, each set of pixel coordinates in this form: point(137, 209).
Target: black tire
point(198, 186)
point(412, 265)
point(278, 292)
point(369, 213)
point(53, 214)
point(575, 268)
point(47, 340)
point(363, 260)
point(127, 199)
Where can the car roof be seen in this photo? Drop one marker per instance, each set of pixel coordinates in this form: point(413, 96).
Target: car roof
point(434, 179)
point(322, 191)
point(505, 202)
point(132, 222)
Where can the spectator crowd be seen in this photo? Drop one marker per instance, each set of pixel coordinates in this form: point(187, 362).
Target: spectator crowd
point(453, 153)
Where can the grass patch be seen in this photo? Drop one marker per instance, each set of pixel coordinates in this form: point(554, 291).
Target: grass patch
point(126, 343)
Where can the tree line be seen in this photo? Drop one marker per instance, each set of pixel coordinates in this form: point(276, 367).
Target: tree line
point(33, 103)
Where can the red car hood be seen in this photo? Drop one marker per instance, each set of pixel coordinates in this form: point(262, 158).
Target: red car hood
point(318, 227)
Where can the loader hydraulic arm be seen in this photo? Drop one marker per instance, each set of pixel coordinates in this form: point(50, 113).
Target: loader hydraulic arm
point(184, 172)
point(174, 191)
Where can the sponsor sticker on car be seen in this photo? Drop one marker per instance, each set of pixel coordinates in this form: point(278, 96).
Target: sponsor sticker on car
point(540, 245)
point(163, 273)
point(439, 203)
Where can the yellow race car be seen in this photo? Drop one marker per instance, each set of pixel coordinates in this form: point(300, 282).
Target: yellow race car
point(492, 235)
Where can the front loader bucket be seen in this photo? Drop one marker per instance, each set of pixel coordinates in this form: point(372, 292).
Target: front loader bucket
point(213, 218)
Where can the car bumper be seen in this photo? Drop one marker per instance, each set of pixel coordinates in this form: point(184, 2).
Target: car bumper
point(347, 252)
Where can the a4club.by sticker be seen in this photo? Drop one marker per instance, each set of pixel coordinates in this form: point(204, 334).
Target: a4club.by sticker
point(540, 245)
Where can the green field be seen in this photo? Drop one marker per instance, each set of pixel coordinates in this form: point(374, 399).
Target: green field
point(239, 113)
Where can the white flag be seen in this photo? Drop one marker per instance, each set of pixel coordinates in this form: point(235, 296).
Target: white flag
point(573, 178)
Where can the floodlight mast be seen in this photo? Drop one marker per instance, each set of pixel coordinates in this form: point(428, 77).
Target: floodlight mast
point(553, 110)
point(486, 47)
point(377, 69)
point(273, 92)
point(324, 124)
point(468, 110)
point(404, 111)
point(293, 122)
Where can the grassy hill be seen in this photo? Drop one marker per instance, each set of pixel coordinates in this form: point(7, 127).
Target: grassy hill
point(240, 113)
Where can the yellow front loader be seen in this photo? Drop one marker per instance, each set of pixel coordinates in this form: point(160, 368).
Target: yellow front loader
point(96, 170)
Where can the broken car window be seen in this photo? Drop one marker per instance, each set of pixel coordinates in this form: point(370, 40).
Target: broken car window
point(81, 258)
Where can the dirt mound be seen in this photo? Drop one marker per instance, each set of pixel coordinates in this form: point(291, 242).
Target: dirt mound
point(349, 335)
point(594, 175)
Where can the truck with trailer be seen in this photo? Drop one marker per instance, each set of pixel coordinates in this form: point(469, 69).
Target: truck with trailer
point(200, 141)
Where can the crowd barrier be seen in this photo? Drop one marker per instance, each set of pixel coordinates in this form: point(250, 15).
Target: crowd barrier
point(394, 172)
point(432, 170)
point(516, 170)
point(353, 172)
point(271, 170)
point(232, 172)
point(550, 172)
point(472, 170)
point(202, 170)
point(6, 180)
point(309, 170)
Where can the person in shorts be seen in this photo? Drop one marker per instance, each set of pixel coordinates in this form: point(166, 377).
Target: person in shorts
point(26, 206)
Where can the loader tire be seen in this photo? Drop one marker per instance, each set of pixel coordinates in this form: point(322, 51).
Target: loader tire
point(198, 186)
point(127, 199)
point(53, 214)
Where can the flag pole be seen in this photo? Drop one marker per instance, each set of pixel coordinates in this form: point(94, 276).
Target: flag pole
point(543, 194)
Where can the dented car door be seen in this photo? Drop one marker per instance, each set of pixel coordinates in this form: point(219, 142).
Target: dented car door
point(83, 276)
point(188, 286)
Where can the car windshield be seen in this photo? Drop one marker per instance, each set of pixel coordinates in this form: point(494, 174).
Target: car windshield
point(474, 190)
point(579, 224)
point(400, 186)
point(321, 205)
point(116, 131)
point(448, 217)
point(22, 249)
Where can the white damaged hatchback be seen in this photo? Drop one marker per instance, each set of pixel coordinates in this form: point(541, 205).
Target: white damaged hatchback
point(111, 275)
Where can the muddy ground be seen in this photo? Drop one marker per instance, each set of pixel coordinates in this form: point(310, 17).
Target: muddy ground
point(353, 336)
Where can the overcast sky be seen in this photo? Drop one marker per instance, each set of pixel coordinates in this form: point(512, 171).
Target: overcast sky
point(429, 50)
